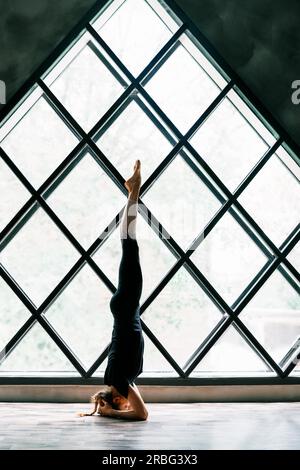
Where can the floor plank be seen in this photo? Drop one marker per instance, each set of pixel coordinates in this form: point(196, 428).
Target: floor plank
point(170, 426)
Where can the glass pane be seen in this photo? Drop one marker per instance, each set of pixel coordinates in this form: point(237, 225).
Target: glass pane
point(294, 256)
point(13, 195)
point(229, 144)
point(151, 248)
point(182, 311)
point(230, 354)
point(37, 149)
point(86, 87)
point(273, 316)
point(272, 199)
point(38, 353)
point(228, 258)
point(13, 314)
point(135, 33)
point(186, 98)
point(81, 316)
point(131, 136)
point(38, 257)
point(86, 200)
point(154, 362)
point(181, 201)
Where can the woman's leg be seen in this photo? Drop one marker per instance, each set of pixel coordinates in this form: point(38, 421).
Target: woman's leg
point(128, 222)
point(130, 274)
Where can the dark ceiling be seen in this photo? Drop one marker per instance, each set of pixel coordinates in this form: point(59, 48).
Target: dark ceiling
point(260, 39)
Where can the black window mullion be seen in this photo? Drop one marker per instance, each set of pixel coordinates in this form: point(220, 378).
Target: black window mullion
point(103, 160)
point(156, 291)
point(225, 68)
point(211, 340)
point(160, 112)
point(102, 128)
point(215, 178)
point(272, 266)
point(161, 61)
point(17, 222)
point(98, 362)
point(232, 201)
point(286, 263)
point(206, 341)
point(53, 57)
point(108, 65)
point(207, 345)
point(155, 61)
point(160, 169)
point(227, 205)
point(229, 202)
point(13, 225)
point(17, 337)
point(182, 140)
point(287, 371)
point(256, 169)
point(36, 315)
point(163, 350)
point(42, 203)
point(209, 110)
point(257, 346)
point(156, 121)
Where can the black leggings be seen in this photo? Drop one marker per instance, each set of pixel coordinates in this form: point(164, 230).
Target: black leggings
point(127, 296)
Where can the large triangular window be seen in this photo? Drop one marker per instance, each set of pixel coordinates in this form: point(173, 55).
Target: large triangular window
point(219, 208)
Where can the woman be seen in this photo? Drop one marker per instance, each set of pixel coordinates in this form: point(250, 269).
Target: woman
point(125, 357)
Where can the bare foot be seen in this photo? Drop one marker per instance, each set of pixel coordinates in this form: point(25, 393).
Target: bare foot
point(134, 183)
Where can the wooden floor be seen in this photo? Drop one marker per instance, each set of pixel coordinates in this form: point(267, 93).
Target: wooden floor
point(170, 426)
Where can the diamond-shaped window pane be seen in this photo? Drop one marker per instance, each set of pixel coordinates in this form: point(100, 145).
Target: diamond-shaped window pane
point(131, 136)
point(228, 141)
point(38, 148)
point(273, 316)
point(230, 353)
point(13, 314)
point(181, 201)
point(86, 86)
point(151, 248)
point(183, 100)
point(228, 258)
point(81, 316)
point(86, 200)
point(37, 353)
point(38, 256)
point(135, 33)
point(273, 200)
point(182, 311)
point(13, 195)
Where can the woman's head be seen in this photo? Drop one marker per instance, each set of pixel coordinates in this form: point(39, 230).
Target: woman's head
point(111, 396)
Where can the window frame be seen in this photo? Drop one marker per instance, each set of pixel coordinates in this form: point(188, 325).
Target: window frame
point(277, 256)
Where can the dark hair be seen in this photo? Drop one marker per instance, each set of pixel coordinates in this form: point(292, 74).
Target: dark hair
point(107, 396)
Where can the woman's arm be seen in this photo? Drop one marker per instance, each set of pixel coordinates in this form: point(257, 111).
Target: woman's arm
point(89, 414)
point(138, 409)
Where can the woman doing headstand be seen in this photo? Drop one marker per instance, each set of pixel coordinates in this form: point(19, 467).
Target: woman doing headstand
point(122, 399)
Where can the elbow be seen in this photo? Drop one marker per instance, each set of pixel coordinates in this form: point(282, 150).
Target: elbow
point(144, 416)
